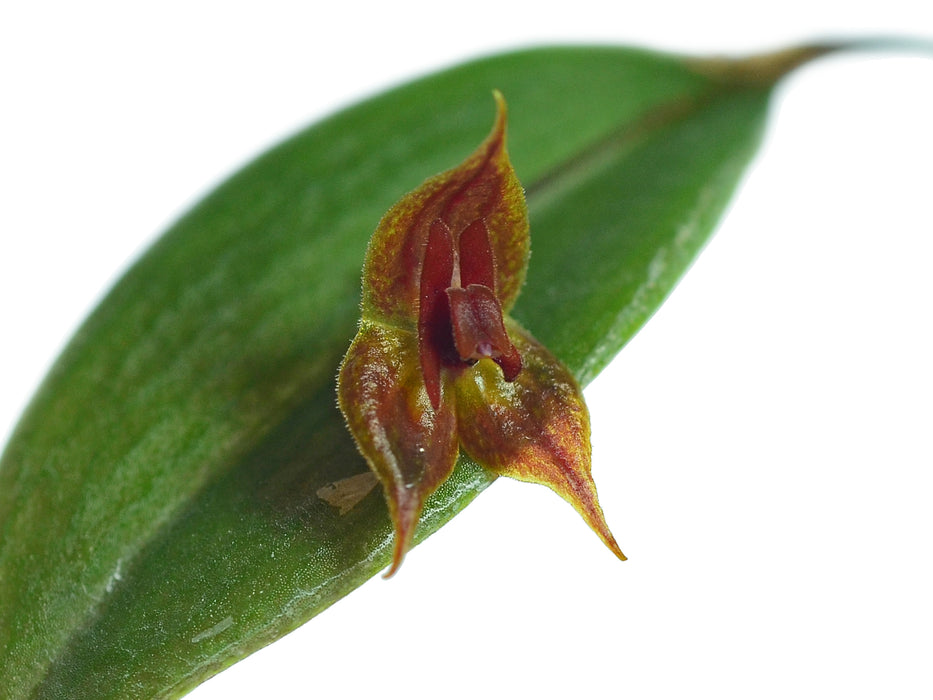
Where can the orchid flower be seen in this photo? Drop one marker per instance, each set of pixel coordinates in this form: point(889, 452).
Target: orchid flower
point(438, 366)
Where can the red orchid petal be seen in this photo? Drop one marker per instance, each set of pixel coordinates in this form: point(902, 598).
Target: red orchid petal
point(477, 264)
point(434, 312)
point(410, 445)
point(535, 428)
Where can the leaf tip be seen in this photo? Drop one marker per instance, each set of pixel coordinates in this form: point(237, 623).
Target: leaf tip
point(761, 69)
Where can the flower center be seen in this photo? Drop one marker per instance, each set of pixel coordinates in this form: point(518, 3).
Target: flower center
point(460, 317)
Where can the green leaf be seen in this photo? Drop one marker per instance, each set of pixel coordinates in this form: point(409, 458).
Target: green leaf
point(159, 516)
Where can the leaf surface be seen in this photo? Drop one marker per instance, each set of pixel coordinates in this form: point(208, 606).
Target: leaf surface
point(159, 507)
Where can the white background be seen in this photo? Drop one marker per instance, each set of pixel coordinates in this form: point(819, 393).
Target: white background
point(762, 448)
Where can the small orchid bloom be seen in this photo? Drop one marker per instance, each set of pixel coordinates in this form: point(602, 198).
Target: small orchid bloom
point(438, 366)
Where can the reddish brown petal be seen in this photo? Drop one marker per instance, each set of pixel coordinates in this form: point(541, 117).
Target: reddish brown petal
point(410, 446)
point(434, 315)
point(535, 428)
point(482, 188)
point(477, 264)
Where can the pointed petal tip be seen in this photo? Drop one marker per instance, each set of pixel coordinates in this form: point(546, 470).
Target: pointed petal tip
point(502, 115)
point(588, 507)
point(405, 508)
point(585, 501)
point(501, 107)
point(597, 522)
point(398, 556)
point(614, 547)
